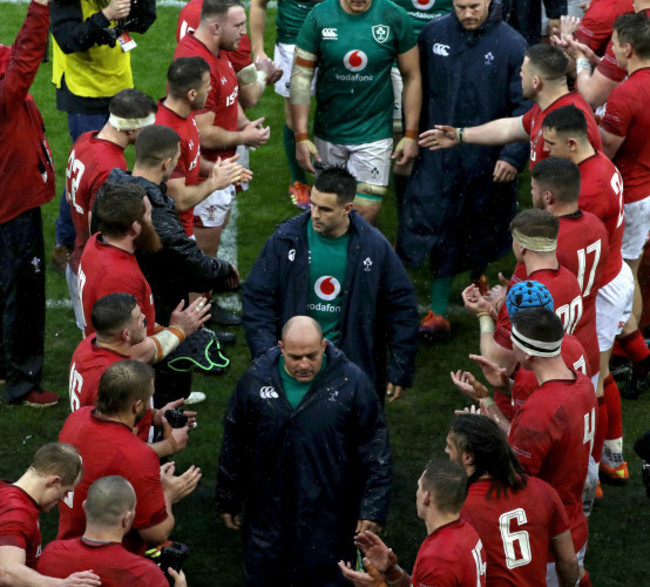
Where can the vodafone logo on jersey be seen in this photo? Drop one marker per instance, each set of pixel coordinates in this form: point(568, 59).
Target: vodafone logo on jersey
point(327, 288)
point(423, 4)
point(355, 60)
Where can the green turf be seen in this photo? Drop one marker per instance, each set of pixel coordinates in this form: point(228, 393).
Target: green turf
point(418, 424)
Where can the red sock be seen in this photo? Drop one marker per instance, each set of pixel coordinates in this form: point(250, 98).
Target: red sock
point(601, 430)
point(635, 346)
point(585, 581)
point(618, 350)
point(614, 415)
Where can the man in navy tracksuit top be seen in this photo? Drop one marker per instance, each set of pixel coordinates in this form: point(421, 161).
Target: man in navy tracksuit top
point(305, 452)
point(330, 264)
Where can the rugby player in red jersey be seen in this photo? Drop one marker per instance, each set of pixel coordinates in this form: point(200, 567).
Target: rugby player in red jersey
point(452, 555)
point(54, 472)
point(543, 79)
point(520, 519)
point(92, 157)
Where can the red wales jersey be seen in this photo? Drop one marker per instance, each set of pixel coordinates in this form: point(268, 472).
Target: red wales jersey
point(111, 448)
point(115, 565)
point(451, 556)
point(584, 244)
point(516, 529)
point(601, 193)
point(189, 163)
point(90, 161)
point(105, 269)
point(222, 100)
point(532, 122)
point(597, 24)
point(567, 300)
point(525, 382)
point(89, 362)
point(19, 525)
point(553, 434)
point(608, 65)
point(628, 116)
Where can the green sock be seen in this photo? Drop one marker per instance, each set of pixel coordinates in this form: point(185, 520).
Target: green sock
point(297, 172)
point(440, 291)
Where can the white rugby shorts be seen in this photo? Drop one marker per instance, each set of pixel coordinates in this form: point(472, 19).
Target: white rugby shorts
point(614, 306)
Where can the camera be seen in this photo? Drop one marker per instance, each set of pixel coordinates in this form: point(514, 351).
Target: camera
point(176, 418)
point(173, 556)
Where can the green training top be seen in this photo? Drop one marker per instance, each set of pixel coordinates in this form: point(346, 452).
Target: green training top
point(424, 11)
point(291, 14)
point(294, 389)
point(328, 261)
point(354, 94)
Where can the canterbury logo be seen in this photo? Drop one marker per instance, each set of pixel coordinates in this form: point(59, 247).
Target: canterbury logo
point(268, 392)
point(330, 34)
point(440, 49)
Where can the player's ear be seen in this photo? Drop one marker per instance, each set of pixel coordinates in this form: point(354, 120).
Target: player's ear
point(53, 481)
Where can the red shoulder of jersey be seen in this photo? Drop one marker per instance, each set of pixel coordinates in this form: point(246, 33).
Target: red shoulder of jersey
point(597, 24)
point(111, 448)
point(88, 363)
point(105, 269)
point(89, 164)
point(115, 565)
point(451, 555)
point(601, 193)
point(627, 116)
point(19, 525)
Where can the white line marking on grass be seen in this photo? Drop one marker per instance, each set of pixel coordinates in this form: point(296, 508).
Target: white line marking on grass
point(58, 304)
point(228, 252)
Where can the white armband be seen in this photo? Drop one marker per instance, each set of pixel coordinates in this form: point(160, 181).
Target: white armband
point(167, 340)
point(302, 73)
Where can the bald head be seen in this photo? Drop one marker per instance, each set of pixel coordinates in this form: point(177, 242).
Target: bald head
point(109, 499)
point(302, 346)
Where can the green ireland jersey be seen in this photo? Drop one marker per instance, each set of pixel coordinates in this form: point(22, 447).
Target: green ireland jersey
point(354, 94)
point(291, 14)
point(328, 260)
point(424, 11)
point(294, 389)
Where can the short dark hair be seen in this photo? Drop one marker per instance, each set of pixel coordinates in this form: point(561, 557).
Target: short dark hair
point(108, 499)
point(117, 206)
point(481, 437)
point(122, 384)
point(131, 103)
point(154, 144)
point(559, 176)
point(336, 179)
point(446, 481)
point(538, 324)
point(536, 222)
point(549, 61)
point(111, 313)
point(567, 119)
point(217, 8)
point(185, 74)
point(58, 458)
point(635, 30)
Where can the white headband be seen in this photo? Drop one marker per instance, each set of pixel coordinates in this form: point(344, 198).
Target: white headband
point(536, 348)
point(131, 123)
point(539, 244)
